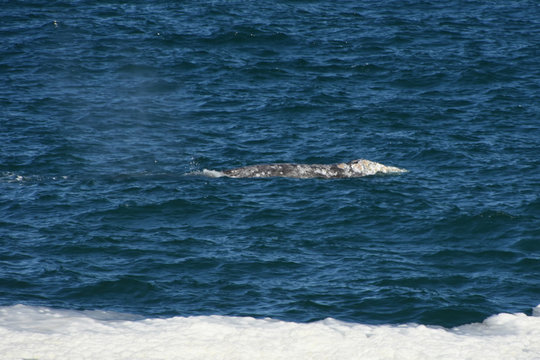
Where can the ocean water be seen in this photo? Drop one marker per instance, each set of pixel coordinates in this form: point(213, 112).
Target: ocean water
point(110, 111)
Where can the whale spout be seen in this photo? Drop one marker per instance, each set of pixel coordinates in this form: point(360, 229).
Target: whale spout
point(355, 168)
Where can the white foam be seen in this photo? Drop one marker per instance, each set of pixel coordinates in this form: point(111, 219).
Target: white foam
point(42, 333)
point(213, 173)
point(13, 177)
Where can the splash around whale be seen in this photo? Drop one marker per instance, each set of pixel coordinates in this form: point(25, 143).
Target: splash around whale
point(355, 168)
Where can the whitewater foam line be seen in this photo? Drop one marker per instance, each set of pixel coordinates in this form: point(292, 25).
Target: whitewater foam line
point(44, 333)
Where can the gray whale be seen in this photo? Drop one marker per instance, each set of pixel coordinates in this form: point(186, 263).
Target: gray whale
point(355, 168)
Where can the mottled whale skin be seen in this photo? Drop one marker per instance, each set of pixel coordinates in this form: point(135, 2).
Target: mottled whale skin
point(355, 168)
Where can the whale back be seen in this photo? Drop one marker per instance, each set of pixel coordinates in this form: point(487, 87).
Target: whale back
point(355, 168)
point(367, 167)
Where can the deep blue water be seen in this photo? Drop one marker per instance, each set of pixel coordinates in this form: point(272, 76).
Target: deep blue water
point(109, 109)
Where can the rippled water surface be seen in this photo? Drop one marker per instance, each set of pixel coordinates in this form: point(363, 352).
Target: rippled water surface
point(110, 110)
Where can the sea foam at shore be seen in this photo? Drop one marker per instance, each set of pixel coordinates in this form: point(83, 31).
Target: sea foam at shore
point(45, 333)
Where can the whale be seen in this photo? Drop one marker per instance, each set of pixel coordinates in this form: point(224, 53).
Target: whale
point(352, 169)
